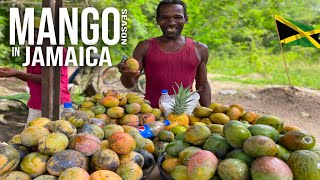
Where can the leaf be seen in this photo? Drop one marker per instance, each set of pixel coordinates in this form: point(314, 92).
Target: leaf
point(23, 97)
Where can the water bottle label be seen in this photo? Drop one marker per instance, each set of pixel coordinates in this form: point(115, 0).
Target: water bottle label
point(141, 128)
point(145, 131)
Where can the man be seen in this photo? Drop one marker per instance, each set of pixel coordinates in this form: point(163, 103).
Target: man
point(33, 79)
point(170, 58)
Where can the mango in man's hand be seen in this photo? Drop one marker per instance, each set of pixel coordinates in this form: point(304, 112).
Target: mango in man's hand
point(132, 64)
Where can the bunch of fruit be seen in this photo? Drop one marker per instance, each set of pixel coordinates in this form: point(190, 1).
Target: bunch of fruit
point(214, 114)
point(79, 147)
point(228, 142)
point(114, 108)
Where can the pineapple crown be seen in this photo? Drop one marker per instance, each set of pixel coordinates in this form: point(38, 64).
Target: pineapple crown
point(181, 99)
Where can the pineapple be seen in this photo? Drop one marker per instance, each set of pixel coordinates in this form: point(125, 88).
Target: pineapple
point(180, 105)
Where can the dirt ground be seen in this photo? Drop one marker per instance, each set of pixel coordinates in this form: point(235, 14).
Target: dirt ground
point(296, 106)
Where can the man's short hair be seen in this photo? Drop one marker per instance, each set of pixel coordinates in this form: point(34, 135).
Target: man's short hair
point(164, 2)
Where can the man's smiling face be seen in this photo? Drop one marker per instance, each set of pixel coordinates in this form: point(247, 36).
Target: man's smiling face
point(171, 20)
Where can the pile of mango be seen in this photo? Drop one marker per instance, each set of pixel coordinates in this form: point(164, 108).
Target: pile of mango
point(101, 140)
point(57, 149)
point(123, 109)
point(228, 142)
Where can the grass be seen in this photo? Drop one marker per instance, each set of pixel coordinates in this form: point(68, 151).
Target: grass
point(262, 68)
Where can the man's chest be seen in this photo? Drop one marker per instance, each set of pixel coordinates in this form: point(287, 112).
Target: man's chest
point(172, 47)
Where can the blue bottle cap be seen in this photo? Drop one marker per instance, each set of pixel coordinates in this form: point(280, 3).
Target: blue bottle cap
point(166, 122)
point(67, 105)
point(164, 91)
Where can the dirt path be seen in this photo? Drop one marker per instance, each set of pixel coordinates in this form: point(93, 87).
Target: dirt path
point(297, 106)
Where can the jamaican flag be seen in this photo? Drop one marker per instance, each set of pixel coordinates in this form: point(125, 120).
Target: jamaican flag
point(293, 33)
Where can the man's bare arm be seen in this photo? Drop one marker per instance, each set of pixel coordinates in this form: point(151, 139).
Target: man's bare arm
point(9, 72)
point(202, 84)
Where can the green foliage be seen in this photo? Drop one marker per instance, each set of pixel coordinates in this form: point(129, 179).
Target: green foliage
point(241, 36)
point(303, 68)
point(4, 50)
point(243, 40)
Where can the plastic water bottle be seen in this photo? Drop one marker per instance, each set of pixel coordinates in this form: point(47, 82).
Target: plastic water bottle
point(163, 98)
point(152, 129)
point(67, 110)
